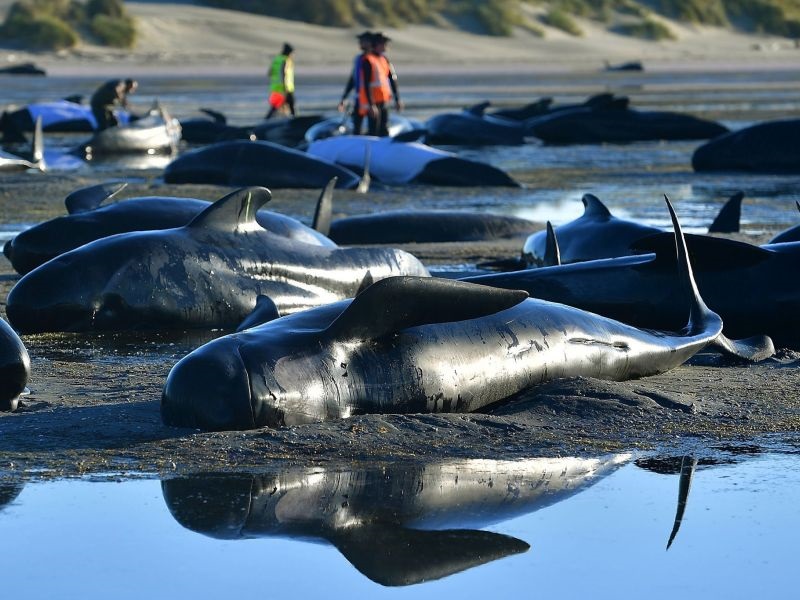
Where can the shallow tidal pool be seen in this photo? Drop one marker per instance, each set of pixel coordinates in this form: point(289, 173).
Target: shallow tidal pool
point(566, 528)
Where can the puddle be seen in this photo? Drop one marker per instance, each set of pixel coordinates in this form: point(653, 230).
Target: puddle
point(575, 528)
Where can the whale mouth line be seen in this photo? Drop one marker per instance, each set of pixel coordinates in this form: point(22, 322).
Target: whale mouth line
point(617, 345)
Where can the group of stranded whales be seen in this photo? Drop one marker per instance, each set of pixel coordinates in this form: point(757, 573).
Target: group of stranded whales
point(89, 219)
point(385, 349)
point(206, 274)
point(603, 118)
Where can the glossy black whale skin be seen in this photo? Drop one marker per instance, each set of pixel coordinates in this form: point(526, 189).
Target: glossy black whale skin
point(206, 274)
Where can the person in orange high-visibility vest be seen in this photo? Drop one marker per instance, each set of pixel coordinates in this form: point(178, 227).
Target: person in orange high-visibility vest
point(375, 89)
point(353, 83)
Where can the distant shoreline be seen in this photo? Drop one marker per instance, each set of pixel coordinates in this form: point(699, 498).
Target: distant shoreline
point(185, 39)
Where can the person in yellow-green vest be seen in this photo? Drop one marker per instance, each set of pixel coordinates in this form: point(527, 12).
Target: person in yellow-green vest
point(281, 81)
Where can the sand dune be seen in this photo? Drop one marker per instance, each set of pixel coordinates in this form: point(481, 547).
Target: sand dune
point(184, 38)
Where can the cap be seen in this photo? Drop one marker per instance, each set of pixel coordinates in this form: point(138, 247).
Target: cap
point(379, 37)
point(364, 35)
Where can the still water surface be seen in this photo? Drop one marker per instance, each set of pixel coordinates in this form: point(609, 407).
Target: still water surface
point(596, 528)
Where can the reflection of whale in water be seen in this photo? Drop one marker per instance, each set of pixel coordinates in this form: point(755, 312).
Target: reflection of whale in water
point(389, 522)
point(9, 492)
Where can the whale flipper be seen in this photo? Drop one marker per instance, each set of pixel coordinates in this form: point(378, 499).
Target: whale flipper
point(264, 312)
point(236, 211)
point(708, 253)
point(552, 253)
point(729, 217)
point(393, 555)
point(594, 208)
point(396, 303)
point(89, 198)
point(322, 214)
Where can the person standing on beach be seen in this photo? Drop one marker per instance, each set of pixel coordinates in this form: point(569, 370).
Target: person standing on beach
point(377, 81)
point(107, 97)
point(281, 81)
point(379, 44)
point(365, 43)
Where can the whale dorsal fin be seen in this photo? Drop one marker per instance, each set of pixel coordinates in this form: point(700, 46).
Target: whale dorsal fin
point(797, 203)
point(393, 555)
point(593, 208)
point(478, 109)
point(322, 214)
point(727, 220)
point(396, 303)
point(264, 312)
point(366, 178)
point(37, 145)
point(688, 466)
point(89, 198)
point(234, 212)
point(552, 253)
point(217, 116)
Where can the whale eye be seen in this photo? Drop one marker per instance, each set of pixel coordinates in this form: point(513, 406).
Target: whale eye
point(111, 307)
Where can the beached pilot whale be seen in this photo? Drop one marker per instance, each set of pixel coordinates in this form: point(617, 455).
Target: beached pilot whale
point(753, 289)
point(769, 147)
point(407, 226)
point(473, 129)
point(409, 344)
point(206, 274)
point(155, 133)
point(90, 220)
point(599, 234)
point(395, 162)
point(398, 524)
point(32, 160)
point(243, 162)
point(59, 116)
point(15, 367)
point(616, 123)
point(421, 226)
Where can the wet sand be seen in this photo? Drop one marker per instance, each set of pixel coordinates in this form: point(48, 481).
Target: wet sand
point(94, 406)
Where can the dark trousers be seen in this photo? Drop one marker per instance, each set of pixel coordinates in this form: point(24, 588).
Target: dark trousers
point(379, 124)
point(104, 115)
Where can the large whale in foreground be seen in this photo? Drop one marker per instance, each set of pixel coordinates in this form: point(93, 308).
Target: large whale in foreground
point(204, 275)
point(243, 162)
point(15, 367)
point(397, 524)
point(409, 344)
point(90, 220)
